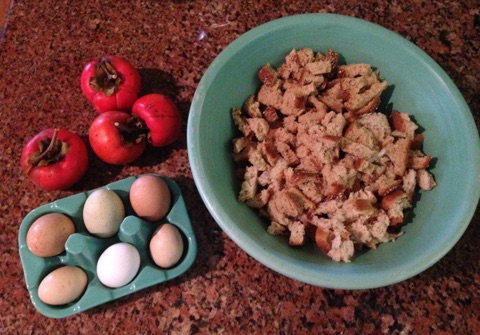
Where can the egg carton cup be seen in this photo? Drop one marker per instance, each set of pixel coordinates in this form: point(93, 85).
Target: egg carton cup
point(83, 249)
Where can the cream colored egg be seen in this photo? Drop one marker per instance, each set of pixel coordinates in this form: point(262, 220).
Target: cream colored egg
point(150, 197)
point(166, 246)
point(118, 265)
point(103, 212)
point(47, 235)
point(63, 285)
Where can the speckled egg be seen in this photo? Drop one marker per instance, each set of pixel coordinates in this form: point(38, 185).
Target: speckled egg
point(47, 235)
point(103, 212)
point(150, 197)
point(166, 246)
point(63, 285)
point(118, 265)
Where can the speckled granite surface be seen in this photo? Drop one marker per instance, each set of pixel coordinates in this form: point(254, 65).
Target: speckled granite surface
point(45, 46)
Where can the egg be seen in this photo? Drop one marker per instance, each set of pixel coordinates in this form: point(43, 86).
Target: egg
point(103, 212)
point(150, 197)
point(63, 285)
point(47, 235)
point(118, 265)
point(166, 246)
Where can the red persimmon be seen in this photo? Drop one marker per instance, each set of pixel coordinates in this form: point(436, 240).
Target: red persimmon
point(116, 138)
point(161, 117)
point(55, 159)
point(110, 83)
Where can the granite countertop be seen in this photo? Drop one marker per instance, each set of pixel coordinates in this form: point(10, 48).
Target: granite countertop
point(43, 50)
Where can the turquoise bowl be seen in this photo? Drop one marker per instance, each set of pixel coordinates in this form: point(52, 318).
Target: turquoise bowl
point(419, 87)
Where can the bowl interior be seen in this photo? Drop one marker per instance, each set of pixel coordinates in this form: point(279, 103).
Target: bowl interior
point(417, 86)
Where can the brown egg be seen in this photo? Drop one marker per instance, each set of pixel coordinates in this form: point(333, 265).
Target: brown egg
point(47, 235)
point(150, 197)
point(63, 285)
point(166, 246)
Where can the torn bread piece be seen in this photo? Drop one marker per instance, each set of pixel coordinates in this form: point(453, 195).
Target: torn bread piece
point(320, 163)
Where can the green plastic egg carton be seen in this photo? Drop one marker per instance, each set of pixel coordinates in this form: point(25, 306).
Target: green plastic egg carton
point(83, 249)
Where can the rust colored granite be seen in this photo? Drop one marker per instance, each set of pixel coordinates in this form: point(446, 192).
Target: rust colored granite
point(4, 13)
point(42, 54)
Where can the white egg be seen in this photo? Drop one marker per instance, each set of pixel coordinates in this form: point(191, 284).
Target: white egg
point(103, 212)
point(166, 246)
point(118, 265)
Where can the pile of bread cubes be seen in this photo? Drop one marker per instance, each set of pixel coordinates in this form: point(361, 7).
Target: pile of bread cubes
point(317, 159)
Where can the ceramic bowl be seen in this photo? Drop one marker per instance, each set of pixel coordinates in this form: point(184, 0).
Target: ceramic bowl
point(419, 86)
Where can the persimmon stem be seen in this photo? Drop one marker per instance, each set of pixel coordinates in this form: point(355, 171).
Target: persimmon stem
point(36, 159)
point(106, 78)
point(53, 152)
point(131, 132)
point(109, 71)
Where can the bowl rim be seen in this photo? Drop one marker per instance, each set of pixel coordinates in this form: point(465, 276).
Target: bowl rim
point(237, 236)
